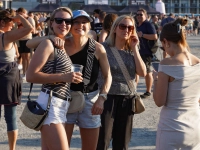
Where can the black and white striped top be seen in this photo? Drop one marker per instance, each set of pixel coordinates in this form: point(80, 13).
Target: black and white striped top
point(63, 65)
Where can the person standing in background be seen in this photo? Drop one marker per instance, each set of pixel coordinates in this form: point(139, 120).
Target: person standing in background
point(23, 49)
point(107, 24)
point(146, 31)
point(99, 26)
point(96, 15)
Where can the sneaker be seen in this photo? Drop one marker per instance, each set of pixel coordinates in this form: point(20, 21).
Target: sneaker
point(23, 77)
point(20, 66)
point(145, 95)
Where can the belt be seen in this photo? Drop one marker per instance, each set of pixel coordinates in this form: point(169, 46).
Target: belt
point(56, 95)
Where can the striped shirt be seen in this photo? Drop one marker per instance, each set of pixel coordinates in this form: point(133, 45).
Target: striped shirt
point(63, 65)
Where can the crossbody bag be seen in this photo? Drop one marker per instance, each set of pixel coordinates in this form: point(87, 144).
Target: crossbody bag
point(78, 100)
point(137, 103)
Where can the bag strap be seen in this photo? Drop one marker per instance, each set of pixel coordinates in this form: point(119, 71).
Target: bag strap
point(123, 69)
point(54, 71)
point(89, 63)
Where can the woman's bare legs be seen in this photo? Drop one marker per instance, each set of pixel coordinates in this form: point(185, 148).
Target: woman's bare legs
point(89, 138)
point(54, 137)
point(69, 131)
point(12, 139)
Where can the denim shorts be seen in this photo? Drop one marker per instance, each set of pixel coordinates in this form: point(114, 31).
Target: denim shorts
point(85, 119)
point(58, 108)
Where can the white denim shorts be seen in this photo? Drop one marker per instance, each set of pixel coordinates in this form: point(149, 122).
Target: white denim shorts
point(58, 108)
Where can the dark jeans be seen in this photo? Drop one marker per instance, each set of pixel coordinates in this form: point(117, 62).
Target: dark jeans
point(10, 116)
point(116, 121)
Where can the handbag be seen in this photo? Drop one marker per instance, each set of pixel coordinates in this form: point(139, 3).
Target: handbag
point(77, 103)
point(137, 103)
point(78, 99)
point(33, 115)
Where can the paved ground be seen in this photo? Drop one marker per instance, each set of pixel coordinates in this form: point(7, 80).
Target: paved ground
point(144, 125)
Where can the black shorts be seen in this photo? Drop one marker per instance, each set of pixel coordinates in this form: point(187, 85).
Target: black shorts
point(23, 48)
point(147, 61)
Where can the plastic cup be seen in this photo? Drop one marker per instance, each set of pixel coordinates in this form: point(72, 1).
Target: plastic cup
point(76, 68)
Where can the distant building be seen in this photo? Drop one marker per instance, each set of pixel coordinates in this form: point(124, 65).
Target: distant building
point(174, 6)
point(179, 6)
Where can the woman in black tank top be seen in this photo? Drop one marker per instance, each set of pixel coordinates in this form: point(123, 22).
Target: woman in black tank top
point(77, 47)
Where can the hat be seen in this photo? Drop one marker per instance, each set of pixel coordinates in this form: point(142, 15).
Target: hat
point(80, 13)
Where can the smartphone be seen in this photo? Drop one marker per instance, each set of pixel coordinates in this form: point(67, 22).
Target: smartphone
point(155, 65)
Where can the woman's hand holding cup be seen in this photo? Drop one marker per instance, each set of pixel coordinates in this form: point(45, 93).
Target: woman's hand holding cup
point(77, 69)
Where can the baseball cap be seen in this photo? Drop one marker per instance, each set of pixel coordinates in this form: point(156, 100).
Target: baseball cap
point(80, 13)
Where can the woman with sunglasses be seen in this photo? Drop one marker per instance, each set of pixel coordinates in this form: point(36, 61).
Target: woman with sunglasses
point(53, 133)
point(77, 47)
point(116, 119)
point(176, 88)
point(10, 82)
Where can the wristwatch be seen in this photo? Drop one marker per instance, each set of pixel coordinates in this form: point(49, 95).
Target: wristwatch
point(104, 96)
point(142, 35)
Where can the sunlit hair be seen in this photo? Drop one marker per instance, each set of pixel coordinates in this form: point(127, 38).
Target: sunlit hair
point(5, 16)
point(65, 9)
point(21, 9)
point(175, 32)
point(12, 12)
point(111, 38)
point(108, 21)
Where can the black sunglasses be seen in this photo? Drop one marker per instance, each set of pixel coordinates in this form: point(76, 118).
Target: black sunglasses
point(139, 14)
point(124, 27)
point(60, 20)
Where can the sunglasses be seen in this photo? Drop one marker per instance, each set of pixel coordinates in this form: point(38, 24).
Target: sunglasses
point(139, 14)
point(60, 20)
point(124, 27)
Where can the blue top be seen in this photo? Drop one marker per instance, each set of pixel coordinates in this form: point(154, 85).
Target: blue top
point(166, 20)
point(147, 28)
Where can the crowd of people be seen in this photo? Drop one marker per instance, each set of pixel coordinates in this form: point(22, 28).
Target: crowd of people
point(45, 47)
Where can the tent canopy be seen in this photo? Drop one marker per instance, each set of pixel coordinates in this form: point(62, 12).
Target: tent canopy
point(45, 8)
point(91, 8)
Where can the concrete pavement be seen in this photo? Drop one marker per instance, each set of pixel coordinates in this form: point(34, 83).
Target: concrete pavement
point(144, 125)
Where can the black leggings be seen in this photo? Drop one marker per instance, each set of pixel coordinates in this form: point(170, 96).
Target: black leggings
point(116, 121)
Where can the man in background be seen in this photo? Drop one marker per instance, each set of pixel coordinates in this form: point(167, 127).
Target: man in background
point(145, 31)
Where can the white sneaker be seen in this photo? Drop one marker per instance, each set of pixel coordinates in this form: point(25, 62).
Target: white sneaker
point(20, 66)
point(23, 77)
